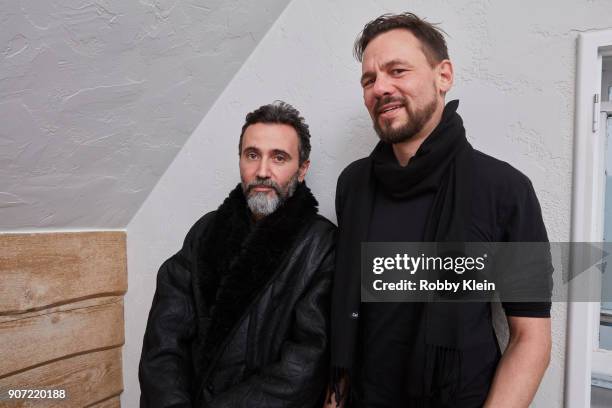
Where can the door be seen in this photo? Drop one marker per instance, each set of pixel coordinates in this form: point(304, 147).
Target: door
point(601, 375)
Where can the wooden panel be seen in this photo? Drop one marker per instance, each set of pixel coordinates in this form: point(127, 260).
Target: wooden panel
point(86, 378)
point(39, 270)
point(114, 402)
point(39, 337)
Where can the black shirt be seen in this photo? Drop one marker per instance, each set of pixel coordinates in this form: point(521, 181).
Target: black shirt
point(504, 208)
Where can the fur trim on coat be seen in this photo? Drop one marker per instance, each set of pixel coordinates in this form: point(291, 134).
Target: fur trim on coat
point(239, 257)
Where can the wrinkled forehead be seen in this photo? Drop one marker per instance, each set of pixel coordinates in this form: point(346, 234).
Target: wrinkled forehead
point(393, 45)
point(268, 137)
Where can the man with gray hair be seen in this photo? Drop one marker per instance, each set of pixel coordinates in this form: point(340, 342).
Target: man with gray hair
point(240, 313)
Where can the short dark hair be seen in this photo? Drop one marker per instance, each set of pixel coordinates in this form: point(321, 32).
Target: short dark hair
point(283, 113)
point(430, 36)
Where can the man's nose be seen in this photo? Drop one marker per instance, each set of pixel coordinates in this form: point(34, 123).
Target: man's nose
point(263, 170)
point(382, 86)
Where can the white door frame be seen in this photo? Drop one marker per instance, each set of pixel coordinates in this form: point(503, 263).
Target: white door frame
point(587, 209)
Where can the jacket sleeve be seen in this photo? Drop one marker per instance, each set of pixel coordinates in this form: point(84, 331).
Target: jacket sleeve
point(165, 371)
point(298, 379)
point(528, 269)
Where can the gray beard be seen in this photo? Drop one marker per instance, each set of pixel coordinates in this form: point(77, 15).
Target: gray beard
point(260, 203)
point(416, 121)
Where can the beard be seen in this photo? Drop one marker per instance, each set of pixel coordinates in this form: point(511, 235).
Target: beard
point(417, 119)
point(261, 203)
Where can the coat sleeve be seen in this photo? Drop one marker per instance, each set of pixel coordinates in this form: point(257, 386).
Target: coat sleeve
point(165, 371)
point(298, 379)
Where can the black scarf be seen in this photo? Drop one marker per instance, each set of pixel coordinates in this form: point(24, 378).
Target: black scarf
point(441, 165)
point(237, 259)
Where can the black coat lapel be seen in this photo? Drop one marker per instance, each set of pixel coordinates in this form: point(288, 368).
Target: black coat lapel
point(361, 212)
point(354, 218)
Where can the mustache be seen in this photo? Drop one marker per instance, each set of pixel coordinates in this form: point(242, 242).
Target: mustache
point(259, 182)
point(388, 99)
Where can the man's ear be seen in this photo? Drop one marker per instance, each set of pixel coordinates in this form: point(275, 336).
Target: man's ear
point(446, 75)
point(303, 170)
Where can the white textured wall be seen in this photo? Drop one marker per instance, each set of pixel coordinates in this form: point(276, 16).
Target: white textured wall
point(98, 96)
point(515, 65)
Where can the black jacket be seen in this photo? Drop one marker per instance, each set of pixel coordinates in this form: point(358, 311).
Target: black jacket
point(258, 343)
point(504, 208)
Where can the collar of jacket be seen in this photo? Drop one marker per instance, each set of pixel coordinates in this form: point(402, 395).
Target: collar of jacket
point(237, 259)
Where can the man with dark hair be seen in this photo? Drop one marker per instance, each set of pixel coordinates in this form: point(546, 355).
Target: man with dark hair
point(425, 182)
point(281, 113)
point(240, 313)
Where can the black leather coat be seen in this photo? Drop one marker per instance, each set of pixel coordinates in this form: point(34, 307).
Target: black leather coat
point(275, 353)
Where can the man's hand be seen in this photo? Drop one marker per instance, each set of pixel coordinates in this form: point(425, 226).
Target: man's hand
point(523, 364)
point(330, 396)
point(330, 400)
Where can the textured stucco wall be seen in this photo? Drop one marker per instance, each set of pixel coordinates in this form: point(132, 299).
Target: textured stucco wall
point(515, 65)
point(98, 96)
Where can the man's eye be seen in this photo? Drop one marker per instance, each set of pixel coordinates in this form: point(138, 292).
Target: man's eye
point(251, 156)
point(397, 71)
point(367, 83)
point(279, 158)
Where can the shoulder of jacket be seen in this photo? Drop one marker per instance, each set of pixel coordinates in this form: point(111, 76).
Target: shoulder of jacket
point(197, 230)
point(322, 225)
point(495, 172)
point(355, 168)
point(320, 232)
